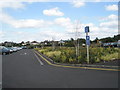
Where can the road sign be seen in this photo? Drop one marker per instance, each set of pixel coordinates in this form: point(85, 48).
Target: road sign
point(87, 40)
point(86, 29)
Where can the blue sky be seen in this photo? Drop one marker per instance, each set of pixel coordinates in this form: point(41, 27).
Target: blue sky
point(24, 21)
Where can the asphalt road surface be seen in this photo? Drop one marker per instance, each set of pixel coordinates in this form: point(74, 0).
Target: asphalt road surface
point(25, 69)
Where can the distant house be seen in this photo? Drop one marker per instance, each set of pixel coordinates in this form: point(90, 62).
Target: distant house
point(23, 44)
point(34, 43)
point(8, 43)
point(61, 42)
point(46, 43)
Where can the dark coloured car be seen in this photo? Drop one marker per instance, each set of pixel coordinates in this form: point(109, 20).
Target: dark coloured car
point(4, 50)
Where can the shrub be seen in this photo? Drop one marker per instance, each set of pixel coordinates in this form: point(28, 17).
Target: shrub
point(109, 57)
point(63, 58)
point(36, 49)
point(71, 60)
point(97, 60)
point(68, 54)
point(53, 53)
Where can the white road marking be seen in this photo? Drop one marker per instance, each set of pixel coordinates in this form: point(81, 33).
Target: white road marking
point(39, 59)
point(23, 54)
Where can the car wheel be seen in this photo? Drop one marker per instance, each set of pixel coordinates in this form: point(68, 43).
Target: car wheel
point(4, 53)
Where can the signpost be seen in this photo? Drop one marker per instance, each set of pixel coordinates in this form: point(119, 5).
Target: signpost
point(86, 29)
point(87, 42)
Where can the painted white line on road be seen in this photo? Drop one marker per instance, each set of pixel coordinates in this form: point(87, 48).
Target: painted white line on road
point(23, 54)
point(39, 59)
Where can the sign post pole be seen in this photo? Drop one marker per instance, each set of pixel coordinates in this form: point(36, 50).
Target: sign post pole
point(87, 42)
point(87, 51)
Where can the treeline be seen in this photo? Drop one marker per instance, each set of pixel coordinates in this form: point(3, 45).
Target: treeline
point(67, 43)
point(108, 39)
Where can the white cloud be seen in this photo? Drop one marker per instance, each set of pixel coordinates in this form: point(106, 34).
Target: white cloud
point(30, 23)
point(53, 12)
point(14, 5)
point(6, 18)
point(24, 23)
point(24, 0)
point(97, 0)
point(109, 18)
point(110, 21)
point(105, 28)
point(78, 3)
point(112, 17)
point(38, 36)
point(1, 34)
point(59, 0)
point(111, 24)
point(65, 22)
point(108, 27)
point(56, 35)
point(112, 7)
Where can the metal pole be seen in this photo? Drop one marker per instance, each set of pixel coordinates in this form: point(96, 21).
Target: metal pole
point(87, 51)
point(88, 54)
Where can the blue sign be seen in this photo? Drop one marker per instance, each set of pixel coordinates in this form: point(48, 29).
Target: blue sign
point(86, 29)
point(87, 40)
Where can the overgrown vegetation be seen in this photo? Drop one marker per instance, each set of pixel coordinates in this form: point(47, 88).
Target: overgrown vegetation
point(68, 54)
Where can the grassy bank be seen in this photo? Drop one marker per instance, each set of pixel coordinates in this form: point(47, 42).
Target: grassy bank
point(68, 54)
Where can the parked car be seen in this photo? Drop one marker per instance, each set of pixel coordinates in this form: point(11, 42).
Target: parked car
point(4, 50)
point(24, 47)
point(14, 49)
point(19, 48)
point(10, 49)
